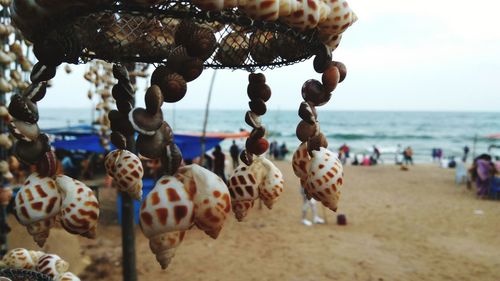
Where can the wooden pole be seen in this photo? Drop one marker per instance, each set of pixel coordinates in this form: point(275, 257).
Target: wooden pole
point(205, 121)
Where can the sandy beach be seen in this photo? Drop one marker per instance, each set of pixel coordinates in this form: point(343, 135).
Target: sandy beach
point(414, 225)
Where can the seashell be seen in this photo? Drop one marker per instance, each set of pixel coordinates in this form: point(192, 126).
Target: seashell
point(49, 52)
point(123, 91)
point(144, 122)
point(67, 69)
point(252, 119)
point(171, 159)
point(79, 209)
point(308, 15)
point(20, 258)
point(301, 161)
point(233, 49)
point(51, 265)
point(183, 32)
point(215, 26)
point(268, 10)
point(153, 99)
point(257, 106)
point(36, 206)
point(164, 245)
point(258, 91)
point(16, 49)
point(31, 152)
point(152, 146)
point(191, 69)
point(118, 140)
point(316, 142)
point(244, 190)
point(23, 130)
point(215, 5)
point(258, 133)
point(331, 42)
point(256, 78)
point(23, 109)
point(42, 72)
point(5, 86)
point(47, 166)
point(201, 44)
point(5, 141)
point(288, 48)
point(36, 92)
point(325, 178)
point(120, 123)
point(14, 74)
point(173, 87)
point(339, 19)
point(26, 64)
point(144, 2)
point(322, 59)
point(5, 58)
point(5, 194)
point(127, 171)
point(330, 78)
point(308, 113)
point(66, 276)
point(314, 93)
point(246, 157)
point(262, 47)
point(272, 183)
point(4, 112)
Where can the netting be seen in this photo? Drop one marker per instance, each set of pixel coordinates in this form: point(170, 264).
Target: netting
point(121, 33)
point(24, 275)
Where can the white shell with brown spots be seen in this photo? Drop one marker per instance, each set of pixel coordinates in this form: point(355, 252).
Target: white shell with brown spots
point(301, 161)
point(339, 19)
point(21, 258)
point(210, 196)
point(325, 178)
point(168, 207)
point(215, 5)
point(331, 41)
point(66, 276)
point(268, 10)
point(244, 189)
point(164, 246)
point(271, 185)
point(127, 171)
point(37, 200)
point(52, 265)
point(308, 15)
point(80, 208)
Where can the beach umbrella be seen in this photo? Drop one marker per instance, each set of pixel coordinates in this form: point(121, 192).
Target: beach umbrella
point(494, 136)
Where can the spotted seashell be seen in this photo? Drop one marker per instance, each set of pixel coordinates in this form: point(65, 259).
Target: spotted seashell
point(52, 265)
point(301, 161)
point(215, 5)
point(66, 276)
point(21, 258)
point(268, 10)
point(126, 169)
point(37, 204)
point(331, 41)
point(272, 184)
point(309, 14)
point(212, 202)
point(166, 212)
point(80, 208)
point(325, 178)
point(243, 188)
point(339, 19)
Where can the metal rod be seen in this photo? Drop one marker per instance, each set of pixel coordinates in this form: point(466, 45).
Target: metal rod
point(205, 121)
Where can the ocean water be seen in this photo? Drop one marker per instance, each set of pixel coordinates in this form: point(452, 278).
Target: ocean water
point(450, 131)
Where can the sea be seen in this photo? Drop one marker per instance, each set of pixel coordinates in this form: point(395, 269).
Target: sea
point(360, 130)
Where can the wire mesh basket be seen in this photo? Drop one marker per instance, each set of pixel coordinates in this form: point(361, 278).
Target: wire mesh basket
point(121, 33)
point(24, 275)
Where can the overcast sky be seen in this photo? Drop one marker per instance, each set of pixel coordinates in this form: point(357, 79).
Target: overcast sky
point(400, 55)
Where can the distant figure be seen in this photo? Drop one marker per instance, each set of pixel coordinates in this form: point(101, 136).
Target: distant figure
point(273, 149)
point(439, 154)
point(482, 172)
point(283, 151)
point(344, 151)
point(466, 153)
point(234, 150)
point(408, 156)
point(219, 160)
point(397, 158)
point(376, 153)
point(434, 155)
point(366, 160)
point(355, 162)
point(309, 204)
point(68, 166)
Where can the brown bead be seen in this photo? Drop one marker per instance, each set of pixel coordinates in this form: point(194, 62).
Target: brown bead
point(330, 78)
point(153, 99)
point(123, 91)
point(145, 123)
point(252, 119)
point(259, 91)
point(124, 106)
point(47, 166)
point(246, 158)
point(173, 87)
point(118, 140)
point(23, 109)
point(120, 123)
point(23, 130)
point(307, 113)
point(191, 69)
point(316, 142)
point(120, 72)
point(322, 59)
point(36, 91)
point(256, 78)
point(49, 52)
point(305, 131)
point(257, 147)
point(314, 93)
point(258, 106)
point(171, 159)
point(342, 70)
point(152, 146)
point(41, 72)
point(32, 152)
point(258, 133)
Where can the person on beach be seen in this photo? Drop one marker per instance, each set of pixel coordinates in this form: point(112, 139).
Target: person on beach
point(466, 153)
point(376, 154)
point(398, 159)
point(219, 162)
point(234, 151)
point(309, 204)
point(408, 156)
point(283, 151)
point(482, 172)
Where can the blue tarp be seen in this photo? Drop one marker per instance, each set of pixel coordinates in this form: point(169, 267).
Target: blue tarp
point(85, 138)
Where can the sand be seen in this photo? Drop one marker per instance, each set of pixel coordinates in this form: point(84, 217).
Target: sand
point(414, 225)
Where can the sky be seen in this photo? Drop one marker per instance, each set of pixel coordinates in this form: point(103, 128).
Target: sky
point(430, 55)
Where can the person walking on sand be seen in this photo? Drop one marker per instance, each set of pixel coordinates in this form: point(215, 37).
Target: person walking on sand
point(309, 204)
point(408, 156)
point(466, 153)
point(234, 151)
point(219, 162)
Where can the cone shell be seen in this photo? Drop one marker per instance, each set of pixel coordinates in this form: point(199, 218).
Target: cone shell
point(67, 276)
point(309, 14)
point(301, 161)
point(167, 208)
point(233, 49)
point(80, 208)
point(215, 5)
point(20, 258)
point(52, 265)
point(325, 178)
point(164, 246)
point(339, 19)
point(37, 201)
point(272, 183)
point(243, 188)
point(127, 171)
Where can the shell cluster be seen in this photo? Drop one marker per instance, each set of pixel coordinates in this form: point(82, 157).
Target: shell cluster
point(49, 264)
point(319, 170)
point(256, 177)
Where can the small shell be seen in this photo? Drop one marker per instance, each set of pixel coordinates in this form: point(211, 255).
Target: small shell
point(325, 178)
point(339, 19)
point(164, 246)
point(127, 171)
point(233, 49)
point(271, 185)
point(144, 122)
point(21, 258)
point(52, 265)
point(262, 47)
point(301, 161)
point(268, 10)
point(243, 188)
point(66, 276)
point(309, 14)
point(215, 5)
point(37, 204)
point(80, 208)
